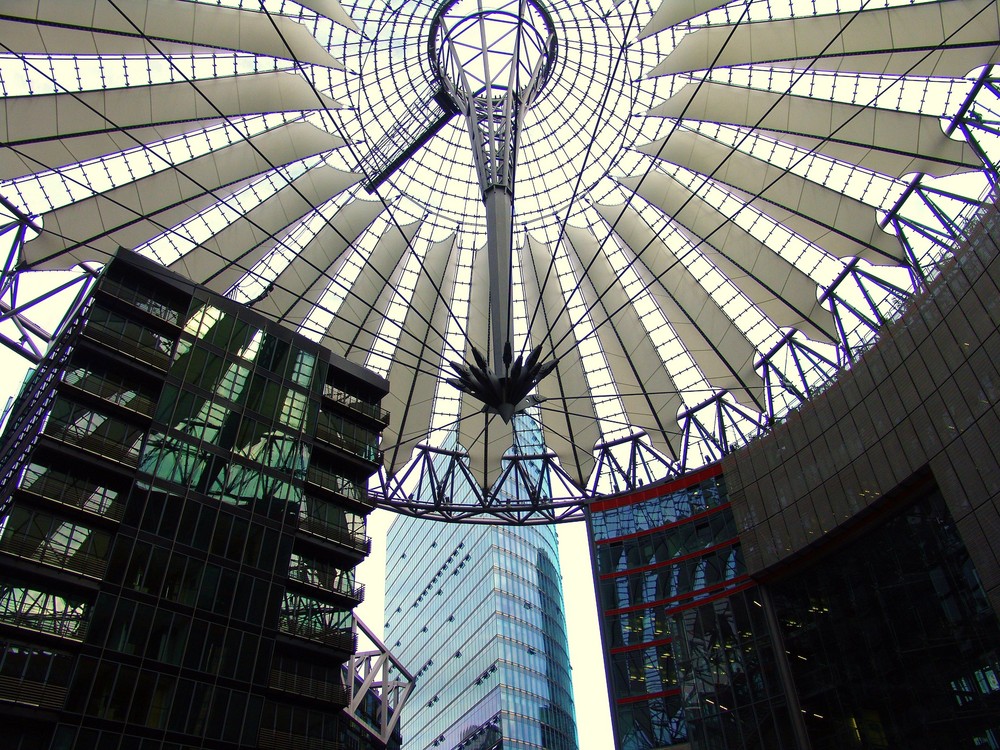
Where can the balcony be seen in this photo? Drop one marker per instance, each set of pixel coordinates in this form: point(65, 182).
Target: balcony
point(97, 444)
point(128, 346)
point(137, 298)
point(327, 432)
point(43, 612)
point(340, 638)
point(26, 548)
point(345, 488)
point(357, 405)
point(116, 393)
point(60, 489)
point(327, 578)
point(338, 534)
point(297, 684)
point(274, 739)
point(31, 693)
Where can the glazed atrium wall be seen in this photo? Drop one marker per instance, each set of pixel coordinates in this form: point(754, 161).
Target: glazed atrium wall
point(184, 504)
point(834, 584)
point(476, 612)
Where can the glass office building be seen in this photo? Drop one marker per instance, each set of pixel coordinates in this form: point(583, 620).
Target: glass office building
point(184, 507)
point(691, 662)
point(882, 640)
point(477, 614)
point(829, 586)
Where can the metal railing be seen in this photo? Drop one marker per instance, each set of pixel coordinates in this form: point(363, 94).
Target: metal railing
point(136, 297)
point(97, 444)
point(327, 433)
point(78, 562)
point(337, 534)
point(64, 492)
point(339, 638)
point(107, 389)
point(128, 346)
point(290, 682)
point(356, 404)
point(344, 487)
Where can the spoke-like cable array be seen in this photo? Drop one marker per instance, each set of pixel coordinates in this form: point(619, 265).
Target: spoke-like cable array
point(695, 231)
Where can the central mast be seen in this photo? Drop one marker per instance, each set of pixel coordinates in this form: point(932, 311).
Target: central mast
point(492, 59)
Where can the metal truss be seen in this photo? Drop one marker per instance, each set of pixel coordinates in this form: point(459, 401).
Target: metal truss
point(375, 672)
point(438, 484)
point(794, 370)
point(714, 428)
point(20, 302)
point(629, 463)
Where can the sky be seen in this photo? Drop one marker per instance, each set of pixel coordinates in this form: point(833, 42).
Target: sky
point(589, 684)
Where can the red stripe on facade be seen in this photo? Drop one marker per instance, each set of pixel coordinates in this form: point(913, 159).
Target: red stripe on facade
point(657, 490)
point(650, 696)
point(664, 527)
point(687, 595)
point(706, 600)
point(637, 646)
point(672, 560)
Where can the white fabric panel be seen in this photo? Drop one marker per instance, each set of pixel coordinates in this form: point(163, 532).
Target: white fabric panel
point(64, 27)
point(646, 389)
point(962, 35)
point(781, 291)
point(332, 10)
point(673, 12)
point(92, 229)
point(413, 377)
point(223, 258)
point(34, 118)
point(306, 277)
point(570, 422)
point(840, 224)
point(32, 158)
point(721, 351)
point(352, 332)
point(882, 140)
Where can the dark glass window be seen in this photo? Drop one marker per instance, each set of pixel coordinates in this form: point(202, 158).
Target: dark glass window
point(891, 640)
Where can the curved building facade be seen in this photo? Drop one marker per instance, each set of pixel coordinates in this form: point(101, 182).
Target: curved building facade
point(836, 583)
point(476, 614)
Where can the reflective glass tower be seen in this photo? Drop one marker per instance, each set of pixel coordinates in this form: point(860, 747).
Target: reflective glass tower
point(476, 614)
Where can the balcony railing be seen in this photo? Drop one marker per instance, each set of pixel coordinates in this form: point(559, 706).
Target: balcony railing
point(337, 534)
point(356, 404)
point(97, 444)
point(342, 639)
point(273, 739)
point(115, 393)
point(64, 625)
point(136, 297)
point(289, 682)
point(29, 692)
point(327, 433)
point(332, 482)
point(326, 578)
point(100, 500)
point(31, 549)
point(131, 347)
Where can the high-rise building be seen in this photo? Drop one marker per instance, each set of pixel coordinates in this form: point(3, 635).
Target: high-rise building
point(835, 583)
point(477, 613)
point(184, 504)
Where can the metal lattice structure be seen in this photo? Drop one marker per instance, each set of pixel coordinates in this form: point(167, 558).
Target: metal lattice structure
point(718, 206)
point(374, 672)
